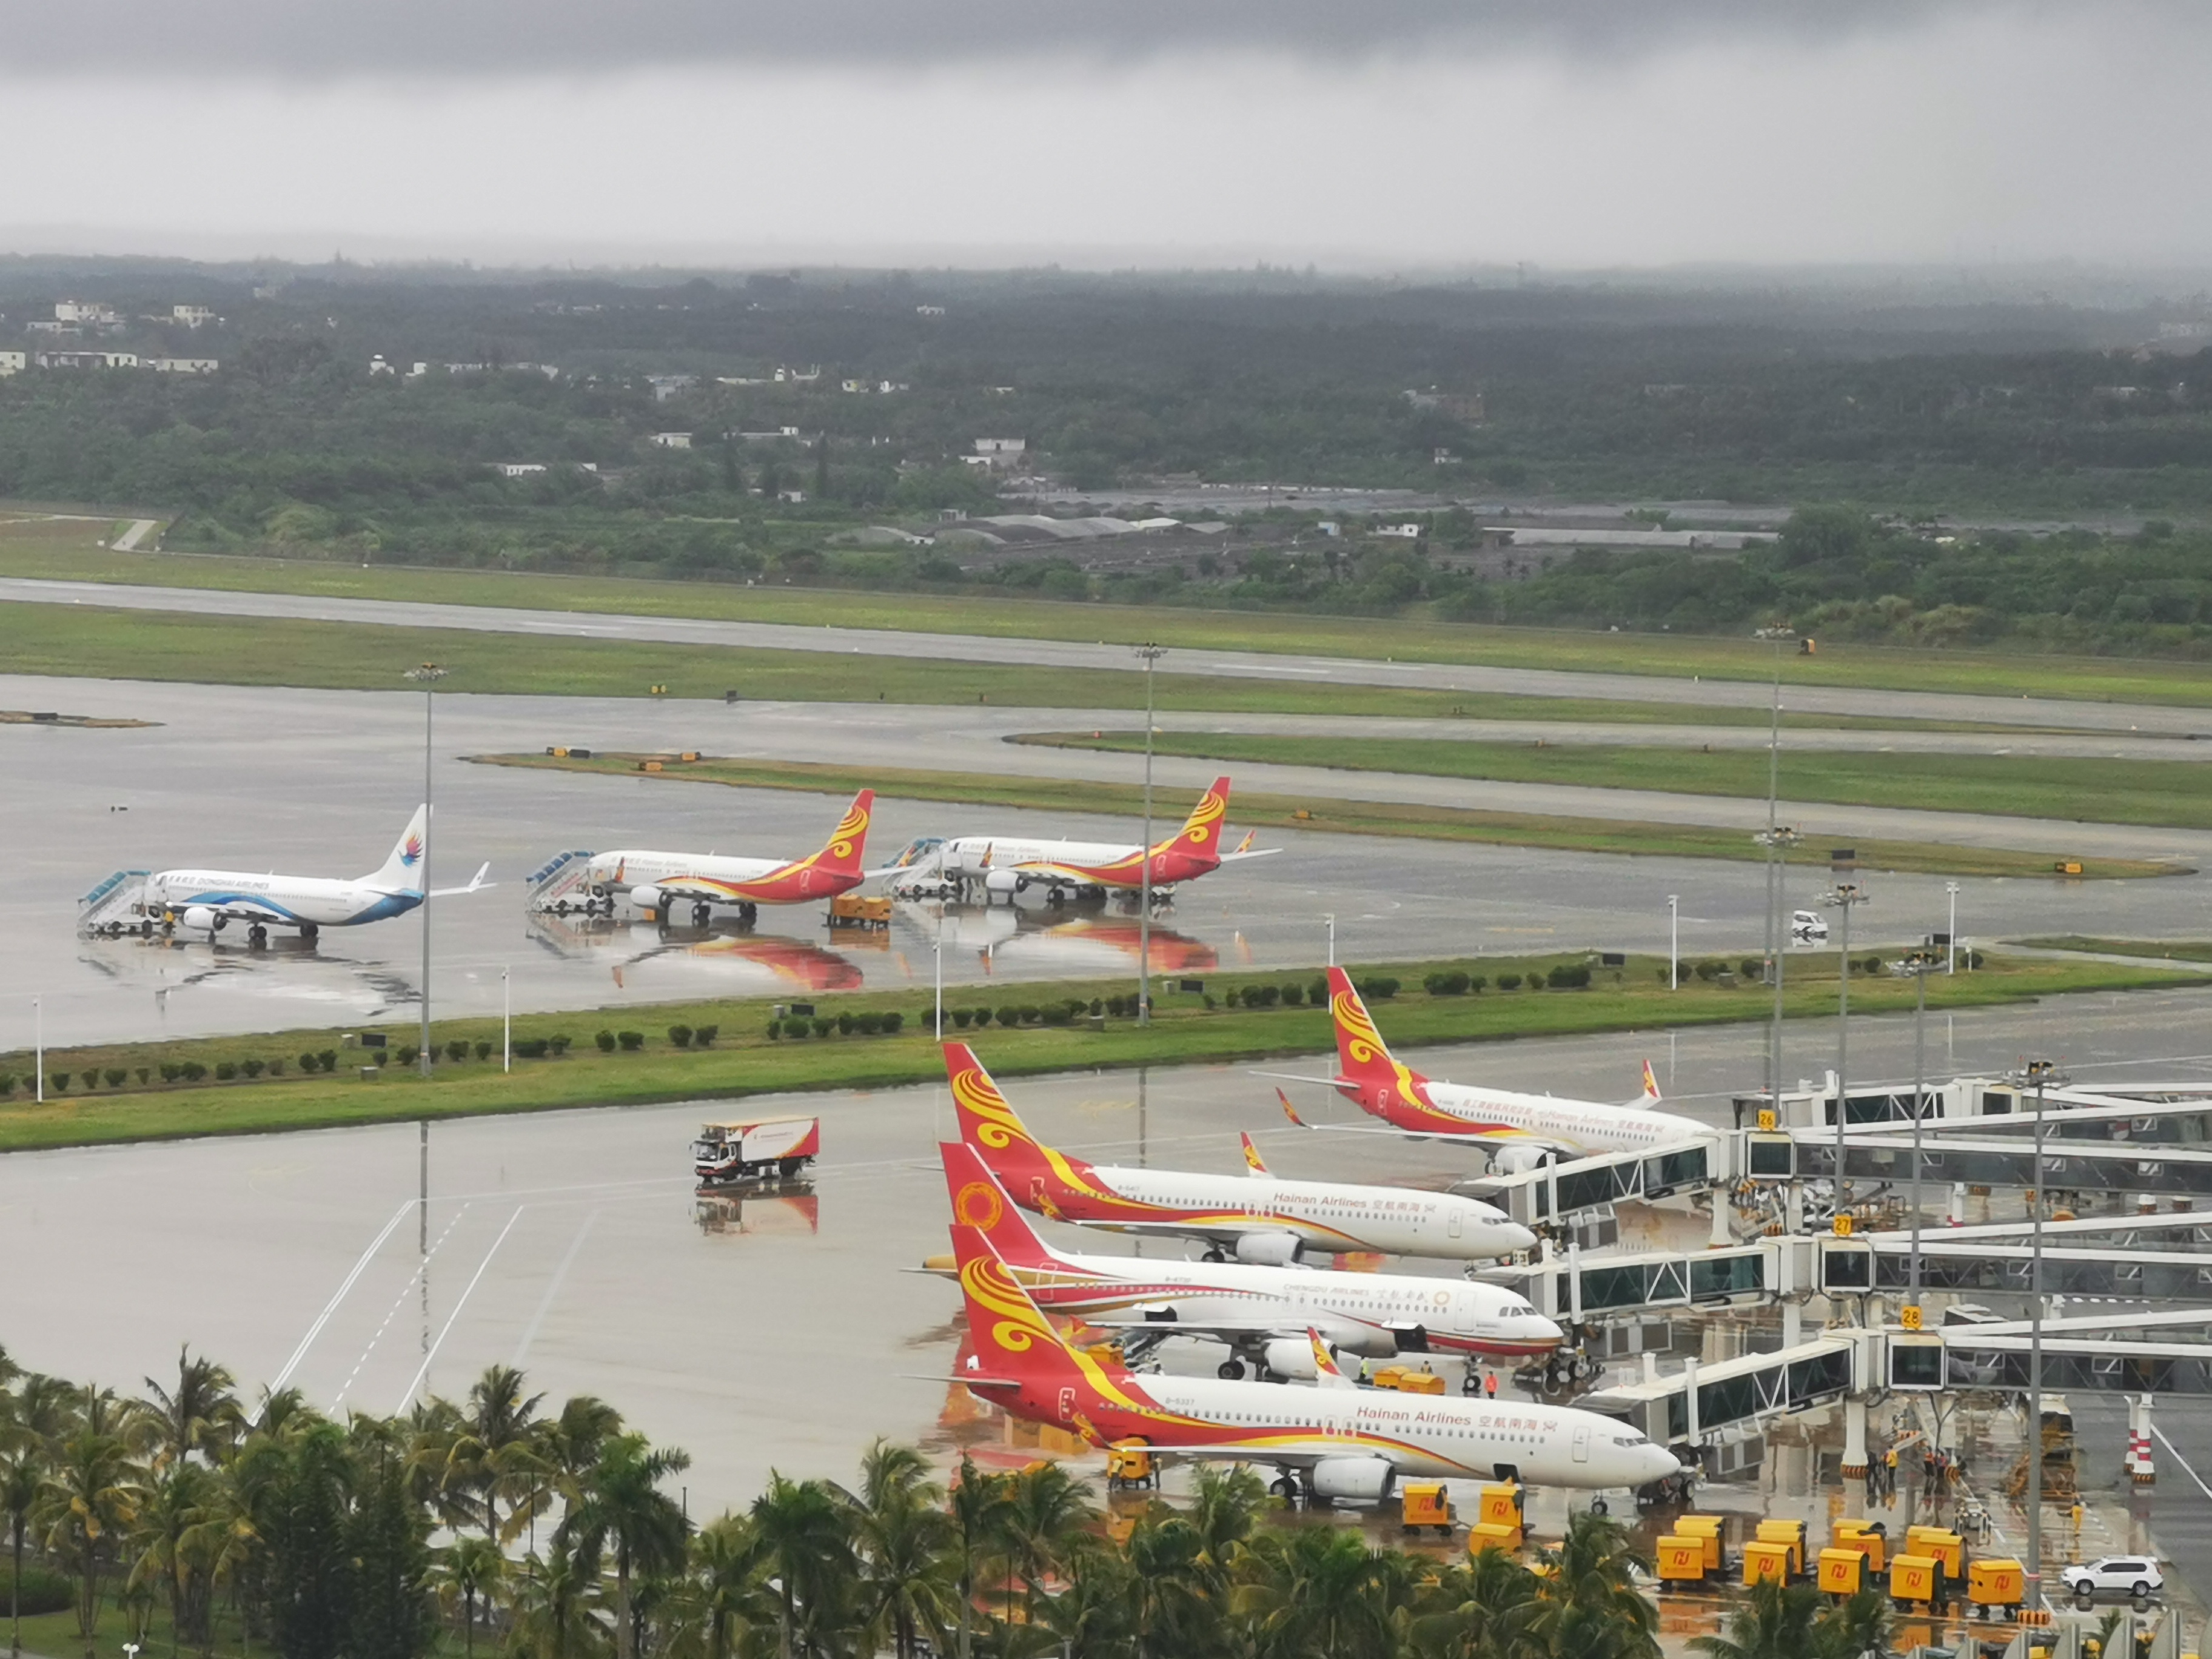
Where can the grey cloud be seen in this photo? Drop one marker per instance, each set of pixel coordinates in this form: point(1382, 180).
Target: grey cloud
point(319, 38)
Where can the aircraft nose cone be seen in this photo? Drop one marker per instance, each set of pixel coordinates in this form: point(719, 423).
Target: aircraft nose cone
point(1543, 1330)
point(1517, 1236)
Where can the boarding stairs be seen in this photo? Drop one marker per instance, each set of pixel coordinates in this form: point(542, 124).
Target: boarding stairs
point(559, 887)
point(116, 906)
point(919, 870)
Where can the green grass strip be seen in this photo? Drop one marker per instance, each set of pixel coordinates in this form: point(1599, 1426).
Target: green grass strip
point(2169, 795)
point(1251, 809)
point(743, 1061)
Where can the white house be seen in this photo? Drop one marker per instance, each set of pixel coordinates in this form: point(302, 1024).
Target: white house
point(671, 439)
point(184, 365)
point(12, 362)
point(191, 316)
point(1404, 533)
point(83, 311)
point(517, 468)
point(929, 311)
point(87, 359)
point(378, 366)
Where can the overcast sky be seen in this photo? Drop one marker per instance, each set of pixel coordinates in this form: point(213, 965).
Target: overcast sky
point(1358, 133)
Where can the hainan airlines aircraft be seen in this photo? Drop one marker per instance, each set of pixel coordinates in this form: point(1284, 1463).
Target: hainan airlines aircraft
point(1007, 864)
point(1338, 1440)
point(657, 881)
point(1255, 1310)
point(1520, 1132)
point(207, 901)
point(1255, 1218)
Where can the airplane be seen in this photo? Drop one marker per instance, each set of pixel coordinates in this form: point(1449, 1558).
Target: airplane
point(657, 881)
point(1520, 1132)
point(1339, 1441)
point(1255, 1310)
point(207, 901)
point(1254, 1217)
point(1003, 866)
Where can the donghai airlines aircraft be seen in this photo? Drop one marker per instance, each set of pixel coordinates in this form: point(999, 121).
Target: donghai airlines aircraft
point(657, 882)
point(1342, 1442)
point(207, 901)
point(1252, 1309)
point(1008, 864)
point(1520, 1131)
point(1255, 1218)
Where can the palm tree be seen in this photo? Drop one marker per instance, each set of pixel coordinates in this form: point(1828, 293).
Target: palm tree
point(566, 1448)
point(620, 1509)
point(1047, 1511)
point(905, 1541)
point(979, 1508)
point(1774, 1622)
point(469, 1570)
point(90, 1496)
point(724, 1594)
point(1171, 1612)
point(1226, 1503)
point(805, 1529)
point(1479, 1611)
point(1589, 1605)
point(201, 1413)
point(1857, 1626)
point(172, 1550)
point(554, 1609)
point(22, 1479)
point(494, 1450)
point(1320, 1593)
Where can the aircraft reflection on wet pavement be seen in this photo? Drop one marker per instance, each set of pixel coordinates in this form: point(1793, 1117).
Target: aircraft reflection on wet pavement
point(1036, 938)
point(714, 959)
point(329, 987)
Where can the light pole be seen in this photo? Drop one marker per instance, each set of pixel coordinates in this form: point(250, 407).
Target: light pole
point(937, 950)
point(1331, 919)
point(426, 675)
point(1951, 939)
point(39, 1042)
point(1919, 964)
point(2040, 1073)
point(1778, 841)
point(1149, 655)
point(1846, 895)
point(506, 1022)
point(1673, 941)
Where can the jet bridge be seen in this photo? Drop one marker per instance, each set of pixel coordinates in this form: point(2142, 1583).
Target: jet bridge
point(1981, 1159)
point(2151, 1258)
point(1587, 1289)
point(1699, 1402)
point(1555, 1193)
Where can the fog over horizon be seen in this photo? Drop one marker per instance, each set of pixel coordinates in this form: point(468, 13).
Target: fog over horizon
point(1585, 134)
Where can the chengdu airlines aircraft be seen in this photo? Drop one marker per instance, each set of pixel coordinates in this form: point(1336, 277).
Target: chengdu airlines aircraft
point(1007, 864)
point(1338, 1440)
point(207, 901)
point(657, 881)
point(1519, 1131)
point(1255, 1218)
point(1255, 1310)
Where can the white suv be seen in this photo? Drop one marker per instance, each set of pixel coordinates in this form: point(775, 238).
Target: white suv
point(2114, 1575)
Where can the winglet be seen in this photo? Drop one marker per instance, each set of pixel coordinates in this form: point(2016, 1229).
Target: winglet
point(1650, 1084)
point(1291, 1111)
point(1252, 1159)
point(1245, 845)
point(1325, 1367)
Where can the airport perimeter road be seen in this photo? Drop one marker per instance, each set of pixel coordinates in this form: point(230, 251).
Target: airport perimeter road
point(776, 1331)
point(968, 647)
point(321, 782)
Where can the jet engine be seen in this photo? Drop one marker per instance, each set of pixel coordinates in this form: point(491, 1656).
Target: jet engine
point(1519, 1160)
point(1005, 882)
point(201, 919)
point(650, 899)
point(1293, 1356)
point(1268, 1249)
point(1362, 1480)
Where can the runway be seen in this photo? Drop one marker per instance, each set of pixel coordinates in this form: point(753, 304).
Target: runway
point(320, 783)
point(979, 648)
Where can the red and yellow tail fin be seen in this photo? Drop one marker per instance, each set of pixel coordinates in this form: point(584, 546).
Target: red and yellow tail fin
point(989, 1125)
point(1011, 1340)
point(846, 849)
point(1257, 1165)
point(1651, 1083)
point(1200, 835)
point(978, 1201)
point(1325, 1370)
point(1362, 1056)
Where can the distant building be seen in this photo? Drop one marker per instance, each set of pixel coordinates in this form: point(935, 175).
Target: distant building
point(378, 366)
point(193, 316)
point(86, 359)
point(1462, 406)
point(12, 362)
point(665, 387)
point(781, 432)
point(929, 311)
point(183, 364)
point(998, 452)
point(671, 439)
point(517, 468)
point(85, 314)
point(794, 497)
point(59, 330)
point(798, 376)
point(1404, 533)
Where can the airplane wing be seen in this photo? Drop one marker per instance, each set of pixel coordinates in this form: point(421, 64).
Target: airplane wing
point(476, 885)
point(238, 908)
point(1045, 871)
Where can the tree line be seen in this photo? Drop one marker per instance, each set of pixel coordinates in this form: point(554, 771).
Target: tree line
point(544, 1533)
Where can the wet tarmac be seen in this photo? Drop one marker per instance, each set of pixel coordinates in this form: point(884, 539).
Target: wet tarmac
point(319, 783)
point(784, 1329)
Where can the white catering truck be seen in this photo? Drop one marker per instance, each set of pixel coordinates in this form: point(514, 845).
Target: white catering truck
point(778, 1147)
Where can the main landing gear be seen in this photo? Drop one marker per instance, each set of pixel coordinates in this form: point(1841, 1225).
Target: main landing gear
point(257, 937)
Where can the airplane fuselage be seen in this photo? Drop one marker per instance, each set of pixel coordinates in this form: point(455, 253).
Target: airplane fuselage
point(1585, 1128)
point(695, 877)
point(1375, 1315)
point(1320, 1216)
point(1430, 1436)
point(275, 899)
point(1119, 866)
